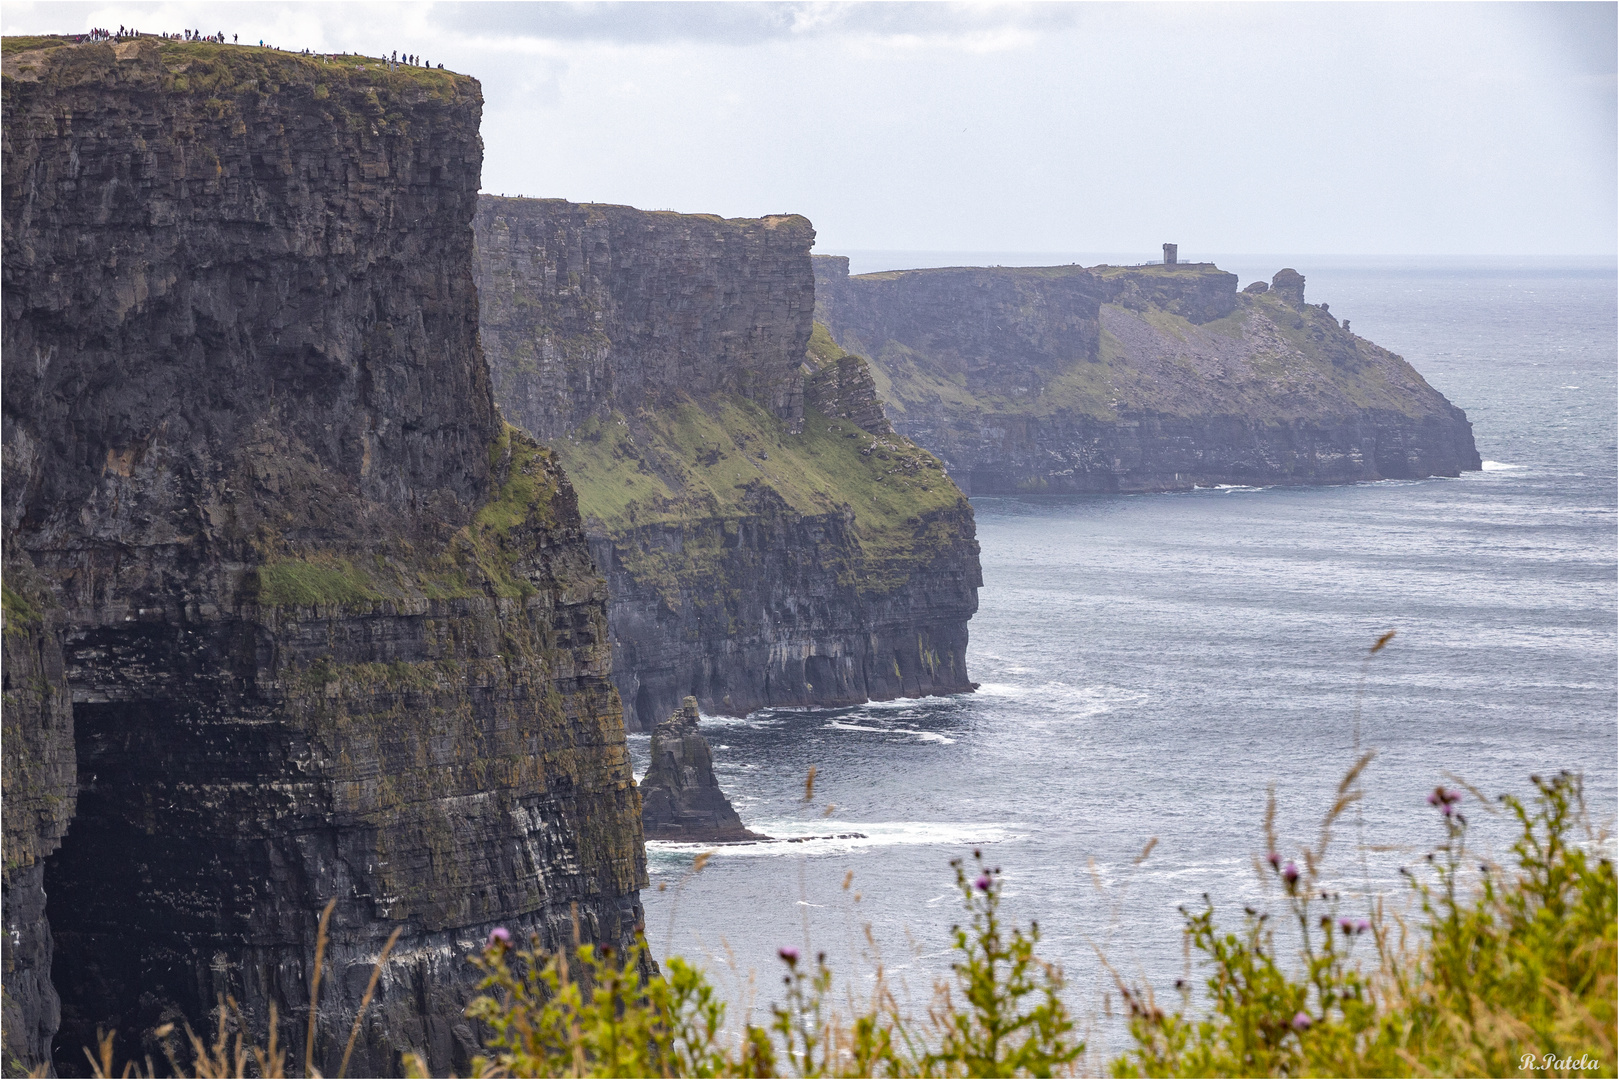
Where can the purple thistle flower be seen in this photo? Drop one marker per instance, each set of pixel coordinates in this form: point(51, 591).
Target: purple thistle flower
point(1447, 809)
point(1433, 797)
point(788, 953)
point(1275, 859)
point(1290, 872)
point(983, 883)
point(1346, 925)
point(500, 938)
point(1361, 926)
point(1301, 1021)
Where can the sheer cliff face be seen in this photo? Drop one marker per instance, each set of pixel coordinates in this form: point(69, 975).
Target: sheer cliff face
point(1068, 379)
point(768, 538)
point(292, 613)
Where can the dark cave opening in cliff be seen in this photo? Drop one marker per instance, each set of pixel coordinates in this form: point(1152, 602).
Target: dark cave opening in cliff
point(116, 960)
point(156, 879)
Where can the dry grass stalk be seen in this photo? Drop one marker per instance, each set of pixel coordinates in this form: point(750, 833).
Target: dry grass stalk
point(370, 989)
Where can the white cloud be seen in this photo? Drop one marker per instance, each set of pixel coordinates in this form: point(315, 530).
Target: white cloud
point(1327, 128)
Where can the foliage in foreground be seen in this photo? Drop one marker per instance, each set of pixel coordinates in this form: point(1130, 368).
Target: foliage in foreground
point(597, 1016)
point(1517, 979)
point(1514, 976)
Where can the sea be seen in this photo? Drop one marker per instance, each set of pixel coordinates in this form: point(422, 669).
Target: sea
point(1155, 669)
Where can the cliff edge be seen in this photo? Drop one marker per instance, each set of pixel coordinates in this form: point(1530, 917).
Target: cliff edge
point(290, 614)
point(768, 538)
point(1151, 378)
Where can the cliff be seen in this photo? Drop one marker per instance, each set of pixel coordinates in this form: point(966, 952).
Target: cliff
point(768, 539)
point(680, 795)
point(290, 614)
point(1152, 378)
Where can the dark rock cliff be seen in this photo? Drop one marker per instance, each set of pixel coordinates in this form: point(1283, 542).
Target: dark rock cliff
point(290, 613)
point(768, 538)
point(1073, 379)
point(680, 795)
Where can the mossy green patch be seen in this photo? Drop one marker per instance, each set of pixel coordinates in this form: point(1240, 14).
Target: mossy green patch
point(19, 43)
point(320, 579)
point(706, 465)
point(21, 613)
point(480, 559)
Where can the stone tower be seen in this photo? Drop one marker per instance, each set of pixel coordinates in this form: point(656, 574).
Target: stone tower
point(1169, 254)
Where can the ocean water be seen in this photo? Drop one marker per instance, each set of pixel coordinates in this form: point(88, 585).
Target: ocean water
point(1154, 666)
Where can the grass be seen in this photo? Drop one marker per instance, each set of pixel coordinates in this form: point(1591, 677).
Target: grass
point(224, 70)
point(1293, 364)
point(482, 558)
point(727, 459)
point(20, 612)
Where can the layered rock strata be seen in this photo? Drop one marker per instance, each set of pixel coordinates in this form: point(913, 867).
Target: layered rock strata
point(680, 796)
point(1154, 378)
point(768, 538)
point(290, 614)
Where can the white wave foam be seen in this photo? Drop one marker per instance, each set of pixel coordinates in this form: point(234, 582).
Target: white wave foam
point(831, 837)
point(925, 736)
point(1498, 466)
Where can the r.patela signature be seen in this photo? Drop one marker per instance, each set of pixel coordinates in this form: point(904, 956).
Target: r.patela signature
point(1550, 1062)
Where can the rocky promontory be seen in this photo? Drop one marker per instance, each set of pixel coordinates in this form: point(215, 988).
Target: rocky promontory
point(680, 796)
point(290, 614)
point(767, 537)
point(1148, 378)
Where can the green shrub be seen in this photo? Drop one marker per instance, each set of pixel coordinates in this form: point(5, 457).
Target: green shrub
point(1517, 978)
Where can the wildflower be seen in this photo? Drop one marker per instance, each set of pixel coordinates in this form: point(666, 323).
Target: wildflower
point(500, 938)
point(1346, 925)
point(1301, 1022)
point(1290, 873)
point(983, 883)
point(1275, 859)
point(788, 954)
point(1361, 926)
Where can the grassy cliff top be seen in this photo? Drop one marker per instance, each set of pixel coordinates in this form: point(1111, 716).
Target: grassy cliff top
point(519, 203)
point(217, 69)
point(1266, 359)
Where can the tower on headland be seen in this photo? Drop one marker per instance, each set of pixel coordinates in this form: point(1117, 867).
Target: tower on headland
point(1169, 254)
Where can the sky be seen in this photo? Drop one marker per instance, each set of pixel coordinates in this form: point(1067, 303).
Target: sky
point(1379, 128)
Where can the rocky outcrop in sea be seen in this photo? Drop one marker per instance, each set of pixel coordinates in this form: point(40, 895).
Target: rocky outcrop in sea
point(680, 796)
point(1150, 378)
point(768, 538)
point(290, 614)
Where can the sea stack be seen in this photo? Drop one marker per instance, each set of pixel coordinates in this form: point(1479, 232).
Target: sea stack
point(680, 796)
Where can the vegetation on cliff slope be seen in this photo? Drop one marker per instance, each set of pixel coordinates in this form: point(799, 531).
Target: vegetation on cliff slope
point(479, 559)
point(726, 459)
point(1267, 358)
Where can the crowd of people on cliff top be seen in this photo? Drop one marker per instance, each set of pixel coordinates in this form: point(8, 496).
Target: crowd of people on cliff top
point(98, 34)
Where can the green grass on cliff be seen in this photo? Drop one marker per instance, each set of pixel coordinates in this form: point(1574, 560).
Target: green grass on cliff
point(480, 559)
point(1274, 361)
point(226, 71)
point(720, 460)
